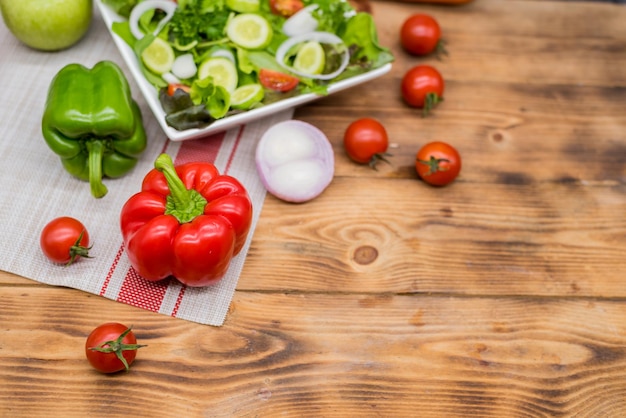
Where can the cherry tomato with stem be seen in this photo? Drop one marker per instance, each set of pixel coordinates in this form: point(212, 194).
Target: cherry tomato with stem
point(420, 34)
point(275, 80)
point(438, 163)
point(64, 239)
point(366, 141)
point(422, 87)
point(111, 347)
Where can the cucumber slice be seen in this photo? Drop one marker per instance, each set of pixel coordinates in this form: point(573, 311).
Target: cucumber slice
point(158, 57)
point(310, 58)
point(222, 70)
point(249, 30)
point(246, 96)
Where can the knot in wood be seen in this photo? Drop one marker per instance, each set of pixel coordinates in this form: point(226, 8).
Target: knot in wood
point(365, 254)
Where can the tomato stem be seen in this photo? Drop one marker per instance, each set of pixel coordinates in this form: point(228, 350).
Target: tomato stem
point(430, 101)
point(379, 157)
point(77, 250)
point(433, 165)
point(440, 49)
point(118, 347)
point(182, 203)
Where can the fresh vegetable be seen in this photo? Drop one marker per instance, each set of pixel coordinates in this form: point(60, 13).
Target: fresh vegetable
point(310, 59)
point(420, 34)
point(111, 347)
point(187, 221)
point(249, 31)
point(138, 11)
point(244, 6)
point(171, 88)
point(366, 141)
point(92, 122)
point(301, 22)
point(159, 56)
point(286, 8)
point(278, 81)
point(121, 7)
point(222, 71)
point(295, 161)
point(422, 87)
point(438, 163)
point(63, 240)
point(184, 66)
point(247, 96)
point(256, 40)
point(288, 53)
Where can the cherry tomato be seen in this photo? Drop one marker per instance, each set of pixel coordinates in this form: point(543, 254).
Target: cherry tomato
point(172, 87)
point(420, 34)
point(111, 347)
point(366, 141)
point(438, 163)
point(422, 87)
point(285, 8)
point(275, 80)
point(64, 239)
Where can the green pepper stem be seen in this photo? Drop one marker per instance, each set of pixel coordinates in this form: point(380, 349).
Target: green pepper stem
point(96, 153)
point(182, 203)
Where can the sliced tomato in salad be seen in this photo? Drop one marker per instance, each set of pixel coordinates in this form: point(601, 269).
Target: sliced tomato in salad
point(275, 80)
point(285, 8)
point(172, 87)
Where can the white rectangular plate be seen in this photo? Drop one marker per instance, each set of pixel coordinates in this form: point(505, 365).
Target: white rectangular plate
point(151, 94)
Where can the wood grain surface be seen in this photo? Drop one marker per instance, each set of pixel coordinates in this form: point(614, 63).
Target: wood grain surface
point(501, 295)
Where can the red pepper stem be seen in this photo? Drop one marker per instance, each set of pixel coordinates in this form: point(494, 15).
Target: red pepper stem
point(182, 203)
point(96, 152)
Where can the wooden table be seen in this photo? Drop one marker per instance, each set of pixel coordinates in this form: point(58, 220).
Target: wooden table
point(503, 294)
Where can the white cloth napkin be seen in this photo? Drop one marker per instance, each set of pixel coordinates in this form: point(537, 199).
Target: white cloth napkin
point(35, 188)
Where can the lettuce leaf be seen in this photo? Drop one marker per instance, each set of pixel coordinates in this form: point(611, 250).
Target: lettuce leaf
point(121, 7)
point(361, 37)
point(215, 98)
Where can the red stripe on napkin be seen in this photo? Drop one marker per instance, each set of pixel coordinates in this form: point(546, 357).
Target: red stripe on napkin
point(179, 300)
point(204, 149)
point(107, 280)
point(235, 147)
point(142, 293)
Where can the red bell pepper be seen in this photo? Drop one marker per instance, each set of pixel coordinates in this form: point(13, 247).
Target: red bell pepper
point(188, 222)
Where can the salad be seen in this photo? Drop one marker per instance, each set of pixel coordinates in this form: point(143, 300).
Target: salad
point(209, 59)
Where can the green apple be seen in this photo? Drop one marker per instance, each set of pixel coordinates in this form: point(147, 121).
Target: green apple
point(47, 25)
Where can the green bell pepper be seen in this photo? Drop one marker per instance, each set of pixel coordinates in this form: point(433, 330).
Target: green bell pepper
point(92, 122)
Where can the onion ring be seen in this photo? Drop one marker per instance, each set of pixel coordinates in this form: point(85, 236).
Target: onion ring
point(321, 37)
point(169, 7)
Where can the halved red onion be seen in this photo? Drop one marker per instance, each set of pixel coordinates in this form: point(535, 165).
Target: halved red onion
point(295, 161)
